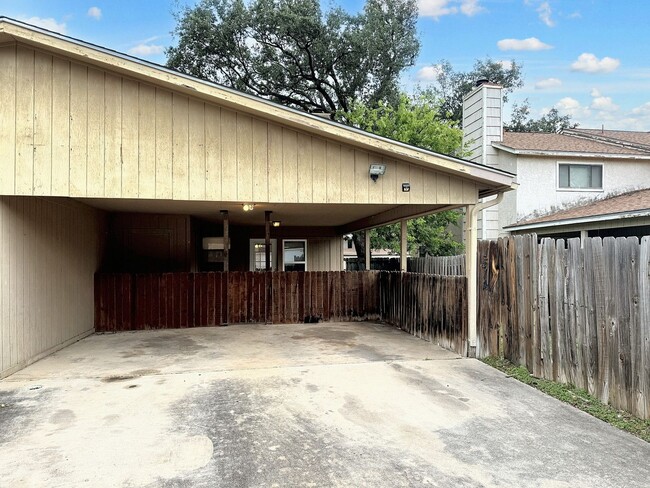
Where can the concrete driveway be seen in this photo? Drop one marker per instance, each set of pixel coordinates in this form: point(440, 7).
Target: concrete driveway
point(294, 405)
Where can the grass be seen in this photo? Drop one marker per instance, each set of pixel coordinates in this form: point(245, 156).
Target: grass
point(577, 397)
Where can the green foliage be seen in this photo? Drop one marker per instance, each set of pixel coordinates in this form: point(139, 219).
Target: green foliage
point(292, 52)
point(414, 120)
point(451, 86)
point(428, 235)
point(520, 120)
point(576, 397)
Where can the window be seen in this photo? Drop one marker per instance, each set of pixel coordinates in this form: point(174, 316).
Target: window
point(349, 243)
point(258, 254)
point(580, 176)
point(295, 255)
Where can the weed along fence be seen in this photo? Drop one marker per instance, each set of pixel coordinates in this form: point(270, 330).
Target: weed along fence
point(431, 307)
point(571, 313)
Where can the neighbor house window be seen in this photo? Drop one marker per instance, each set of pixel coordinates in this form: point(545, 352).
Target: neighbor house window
point(295, 255)
point(581, 176)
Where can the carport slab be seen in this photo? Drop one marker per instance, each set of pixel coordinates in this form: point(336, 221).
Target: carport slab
point(294, 405)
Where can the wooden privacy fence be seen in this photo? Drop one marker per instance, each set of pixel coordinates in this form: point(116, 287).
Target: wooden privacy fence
point(431, 307)
point(438, 265)
point(573, 314)
point(178, 300)
point(428, 306)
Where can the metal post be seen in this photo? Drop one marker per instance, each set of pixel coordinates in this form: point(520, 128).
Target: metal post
point(403, 248)
point(471, 250)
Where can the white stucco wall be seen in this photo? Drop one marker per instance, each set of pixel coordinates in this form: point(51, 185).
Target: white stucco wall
point(538, 183)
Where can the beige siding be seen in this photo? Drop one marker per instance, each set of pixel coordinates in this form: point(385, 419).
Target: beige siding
point(68, 129)
point(325, 254)
point(49, 252)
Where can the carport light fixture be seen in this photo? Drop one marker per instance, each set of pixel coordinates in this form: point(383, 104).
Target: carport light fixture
point(247, 207)
point(376, 170)
point(276, 223)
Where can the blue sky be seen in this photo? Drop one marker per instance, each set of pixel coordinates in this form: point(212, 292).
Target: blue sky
point(588, 58)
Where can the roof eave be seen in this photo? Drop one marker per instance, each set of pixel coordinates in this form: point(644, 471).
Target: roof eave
point(569, 154)
point(579, 220)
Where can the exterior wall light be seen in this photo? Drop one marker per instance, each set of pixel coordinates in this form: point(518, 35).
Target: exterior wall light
point(376, 170)
point(276, 223)
point(247, 207)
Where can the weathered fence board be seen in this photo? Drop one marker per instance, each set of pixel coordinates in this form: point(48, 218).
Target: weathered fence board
point(438, 265)
point(579, 312)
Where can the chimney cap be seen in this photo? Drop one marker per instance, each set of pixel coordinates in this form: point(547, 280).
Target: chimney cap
point(482, 81)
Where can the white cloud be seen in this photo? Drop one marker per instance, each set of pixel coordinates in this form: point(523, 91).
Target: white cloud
point(46, 23)
point(428, 73)
point(529, 44)
point(146, 50)
point(436, 8)
point(505, 64)
point(95, 13)
point(471, 8)
point(440, 8)
point(589, 63)
point(548, 83)
point(545, 12)
point(571, 106)
point(604, 104)
point(575, 15)
point(643, 110)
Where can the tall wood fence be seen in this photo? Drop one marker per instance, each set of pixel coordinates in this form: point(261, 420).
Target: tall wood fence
point(431, 307)
point(438, 265)
point(571, 313)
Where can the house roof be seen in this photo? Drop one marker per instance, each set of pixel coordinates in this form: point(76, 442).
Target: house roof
point(626, 205)
point(638, 139)
point(491, 180)
point(550, 143)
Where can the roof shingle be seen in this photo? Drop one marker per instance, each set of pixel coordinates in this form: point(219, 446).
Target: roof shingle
point(551, 142)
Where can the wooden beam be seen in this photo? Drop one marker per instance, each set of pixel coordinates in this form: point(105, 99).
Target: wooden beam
point(393, 215)
point(403, 247)
point(267, 239)
point(226, 241)
point(366, 236)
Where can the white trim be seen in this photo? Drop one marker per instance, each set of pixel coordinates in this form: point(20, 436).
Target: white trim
point(574, 163)
point(580, 220)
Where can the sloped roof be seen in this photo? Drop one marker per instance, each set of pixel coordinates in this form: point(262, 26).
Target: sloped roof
point(540, 142)
point(631, 202)
point(491, 180)
point(635, 138)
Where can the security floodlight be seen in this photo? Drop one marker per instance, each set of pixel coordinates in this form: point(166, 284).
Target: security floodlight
point(376, 170)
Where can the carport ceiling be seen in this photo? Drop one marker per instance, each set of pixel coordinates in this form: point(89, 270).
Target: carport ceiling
point(290, 214)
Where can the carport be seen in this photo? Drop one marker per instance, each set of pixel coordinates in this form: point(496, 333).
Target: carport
point(169, 186)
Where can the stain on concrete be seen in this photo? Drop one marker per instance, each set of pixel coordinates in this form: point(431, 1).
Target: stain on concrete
point(259, 442)
point(22, 411)
point(130, 376)
point(442, 393)
point(63, 417)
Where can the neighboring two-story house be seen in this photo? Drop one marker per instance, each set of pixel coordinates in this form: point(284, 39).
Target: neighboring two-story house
point(554, 171)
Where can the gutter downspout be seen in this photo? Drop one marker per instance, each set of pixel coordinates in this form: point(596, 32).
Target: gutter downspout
point(471, 258)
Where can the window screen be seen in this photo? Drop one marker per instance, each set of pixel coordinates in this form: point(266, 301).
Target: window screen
point(580, 176)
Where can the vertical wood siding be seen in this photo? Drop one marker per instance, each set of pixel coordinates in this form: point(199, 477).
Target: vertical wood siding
point(68, 129)
point(49, 252)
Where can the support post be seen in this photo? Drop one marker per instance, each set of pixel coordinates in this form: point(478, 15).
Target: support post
point(471, 251)
point(226, 261)
point(366, 235)
point(267, 239)
point(226, 241)
point(403, 247)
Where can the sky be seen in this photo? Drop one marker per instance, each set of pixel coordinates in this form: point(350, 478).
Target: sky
point(587, 58)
